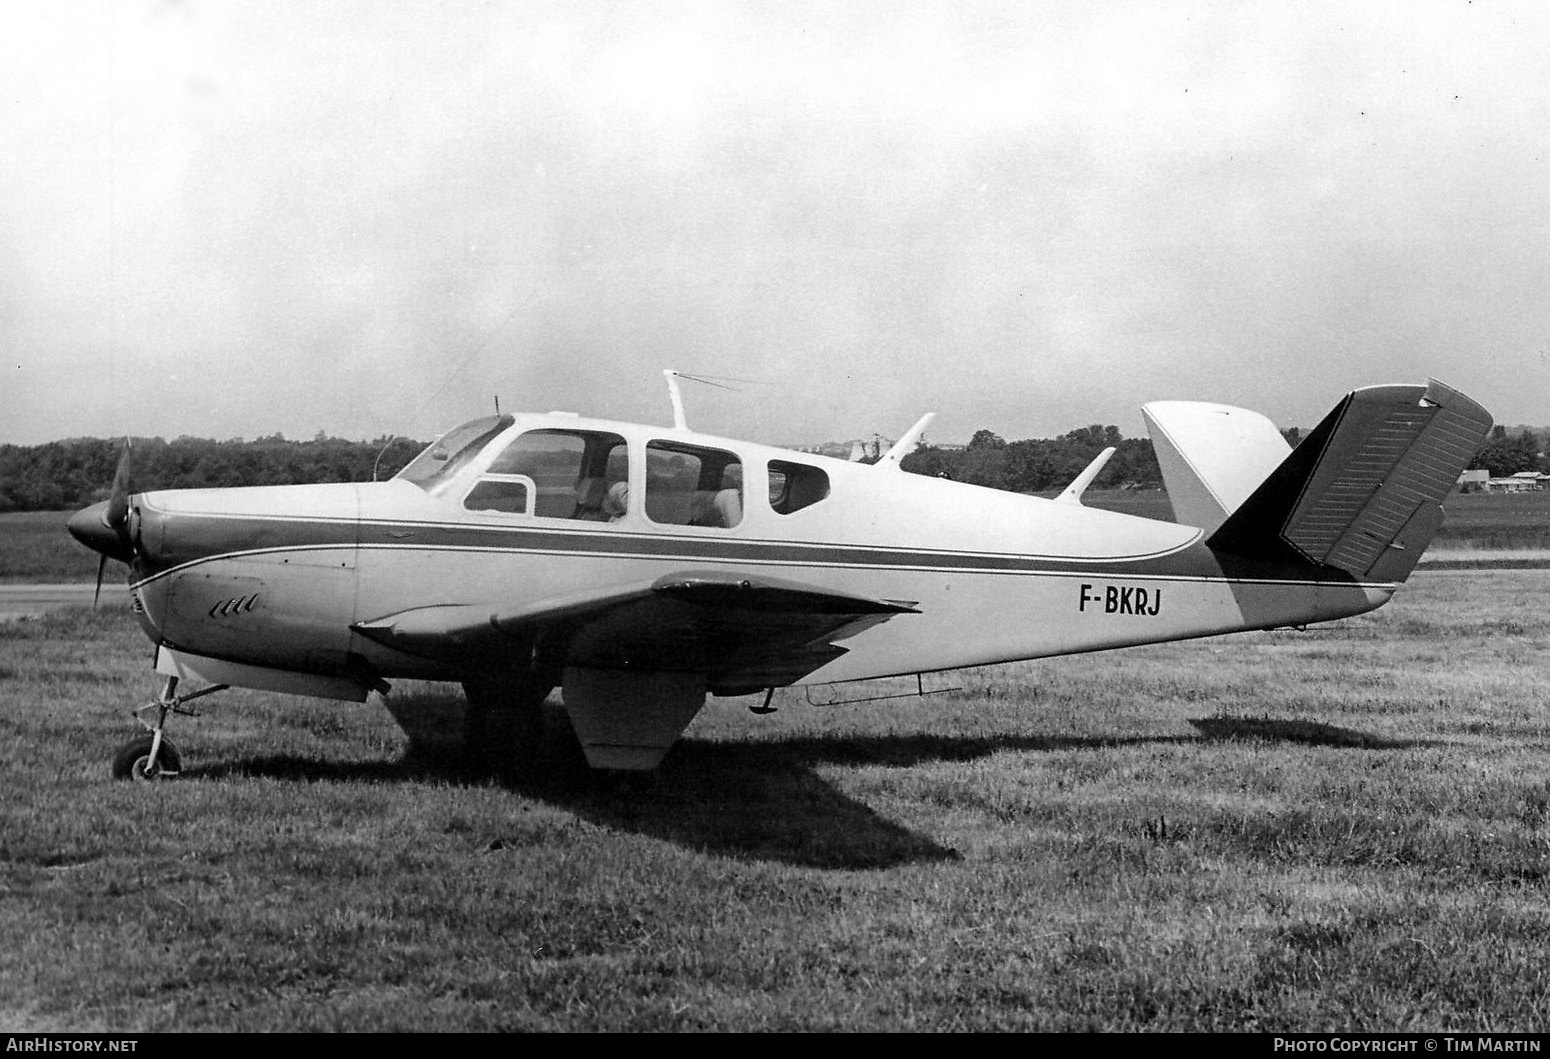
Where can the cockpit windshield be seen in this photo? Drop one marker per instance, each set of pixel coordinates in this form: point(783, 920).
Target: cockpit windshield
point(450, 453)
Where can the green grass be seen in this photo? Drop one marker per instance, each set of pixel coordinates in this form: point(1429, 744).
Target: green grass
point(1497, 521)
point(35, 547)
point(1343, 829)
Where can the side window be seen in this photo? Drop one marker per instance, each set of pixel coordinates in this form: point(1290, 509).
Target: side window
point(558, 474)
point(507, 493)
point(794, 486)
point(687, 485)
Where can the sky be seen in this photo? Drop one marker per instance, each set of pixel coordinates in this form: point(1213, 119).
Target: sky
point(373, 218)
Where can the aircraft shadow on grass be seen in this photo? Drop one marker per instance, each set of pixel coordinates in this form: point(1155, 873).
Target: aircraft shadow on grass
point(1310, 733)
point(760, 800)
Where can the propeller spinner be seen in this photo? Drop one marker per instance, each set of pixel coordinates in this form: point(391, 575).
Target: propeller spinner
point(104, 527)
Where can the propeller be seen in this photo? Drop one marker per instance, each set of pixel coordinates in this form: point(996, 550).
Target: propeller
point(117, 514)
point(104, 527)
point(102, 565)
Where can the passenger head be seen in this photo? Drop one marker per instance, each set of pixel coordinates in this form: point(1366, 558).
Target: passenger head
point(616, 501)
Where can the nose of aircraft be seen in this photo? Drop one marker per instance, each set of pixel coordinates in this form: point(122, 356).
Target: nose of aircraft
point(91, 527)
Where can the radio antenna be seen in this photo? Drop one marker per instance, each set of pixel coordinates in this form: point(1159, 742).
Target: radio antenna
point(676, 395)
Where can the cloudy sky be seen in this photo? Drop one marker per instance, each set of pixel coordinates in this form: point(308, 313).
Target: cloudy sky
point(232, 219)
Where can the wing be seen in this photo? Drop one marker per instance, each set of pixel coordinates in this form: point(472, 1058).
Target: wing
point(743, 633)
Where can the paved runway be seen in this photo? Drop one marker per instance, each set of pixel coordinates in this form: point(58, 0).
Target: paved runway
point(18, 601)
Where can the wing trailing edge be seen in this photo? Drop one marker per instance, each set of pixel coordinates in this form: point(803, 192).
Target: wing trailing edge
point(738, 631)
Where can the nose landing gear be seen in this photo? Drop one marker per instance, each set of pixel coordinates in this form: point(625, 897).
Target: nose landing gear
point(144, 759)
point(152, 756)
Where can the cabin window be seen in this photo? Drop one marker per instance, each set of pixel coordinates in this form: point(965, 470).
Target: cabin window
point(794, 486)
point(574, 474)
point(687, 485)
point(510, 494)
point(443, 458)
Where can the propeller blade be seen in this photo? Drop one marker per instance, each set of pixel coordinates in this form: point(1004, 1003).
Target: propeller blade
point(102, 565)
point(104, 527)
point(117, 514)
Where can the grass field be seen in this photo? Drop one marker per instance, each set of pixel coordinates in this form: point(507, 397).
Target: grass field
point(35, 547)
point(1346, 828)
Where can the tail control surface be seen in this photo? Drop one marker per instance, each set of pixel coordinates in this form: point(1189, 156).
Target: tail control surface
point(1363, 491)
point(1212, 456)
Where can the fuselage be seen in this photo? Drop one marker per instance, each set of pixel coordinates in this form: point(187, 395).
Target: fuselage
point(536, 507)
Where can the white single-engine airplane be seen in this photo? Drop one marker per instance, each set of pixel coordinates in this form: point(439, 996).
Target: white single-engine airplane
point(640, 568)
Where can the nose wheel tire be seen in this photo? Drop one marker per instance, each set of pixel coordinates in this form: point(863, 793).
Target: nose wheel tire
point(133, 760)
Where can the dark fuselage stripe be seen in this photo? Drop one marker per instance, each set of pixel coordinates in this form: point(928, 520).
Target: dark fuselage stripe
point(191, 539)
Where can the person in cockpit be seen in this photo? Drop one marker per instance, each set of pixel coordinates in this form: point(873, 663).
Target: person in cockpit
point(616, 501)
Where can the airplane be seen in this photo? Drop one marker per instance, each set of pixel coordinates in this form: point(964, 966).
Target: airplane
point(640, 569)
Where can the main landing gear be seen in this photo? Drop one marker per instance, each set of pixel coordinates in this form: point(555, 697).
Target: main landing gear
point(152, 756)
point(504, 716)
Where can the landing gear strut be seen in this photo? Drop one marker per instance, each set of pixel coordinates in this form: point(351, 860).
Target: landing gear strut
point(517, 700)
point(152, 756)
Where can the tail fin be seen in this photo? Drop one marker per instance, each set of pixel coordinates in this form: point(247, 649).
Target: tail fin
point(1363, 491)
point(1212, 457)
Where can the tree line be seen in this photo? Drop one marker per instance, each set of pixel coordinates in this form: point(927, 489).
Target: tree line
point(1505, 454)
point(64, 475)
point(1037, 464)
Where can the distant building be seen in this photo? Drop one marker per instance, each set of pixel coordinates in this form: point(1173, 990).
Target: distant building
point(1474, 481)
point(864, 448)
point(869, 450)
point(856, 450)
point(1478, 481)
point(1522, 482)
